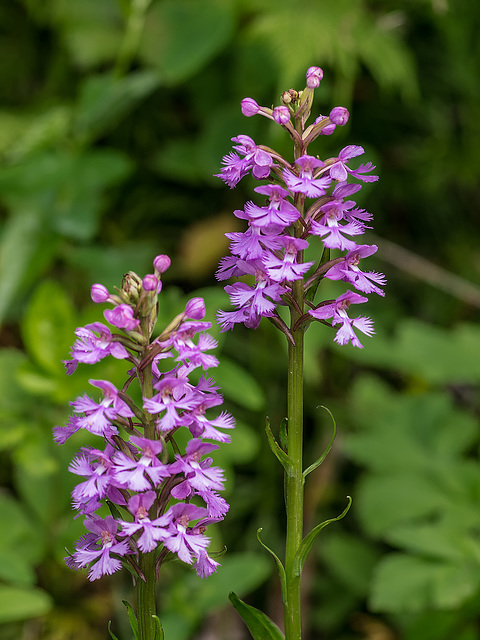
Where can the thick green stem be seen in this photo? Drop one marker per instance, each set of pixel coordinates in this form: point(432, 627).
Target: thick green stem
point(294, 478)
point(146, 602)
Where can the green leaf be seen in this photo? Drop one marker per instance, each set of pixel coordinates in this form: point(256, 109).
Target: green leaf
point(278, 562)
point(385, 501)
point(22, 604)
point(239, 385)
point(132, 618)
point(105, 99)
point(112, 635)
point(48, 326)
point(26, 248)
point(159, 635)
point(279, 453)
point(318, 462)
point(260, 626)
point(182, 36)
point(310, 538)
point(404, 583)
point(12, 398)
point(351, 560)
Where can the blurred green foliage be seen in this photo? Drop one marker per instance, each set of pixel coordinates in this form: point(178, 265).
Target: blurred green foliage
point(114, 116)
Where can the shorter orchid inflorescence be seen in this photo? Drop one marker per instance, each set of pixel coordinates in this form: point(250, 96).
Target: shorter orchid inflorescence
point(160, 498)
point(270, 251)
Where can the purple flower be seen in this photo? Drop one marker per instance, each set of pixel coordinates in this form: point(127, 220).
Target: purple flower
point(286, 267)
point(90, 348)
point(305, 182)
point(349, 271)
point(277, 215)
point(138, 505)
point(337, 310)
point(122, 317)
point(98, 417)
point(139, 475)
point(235, 167)
point(96, 466)
point(173, 396)
point(340, 170)
point(329, 225)
point(179, 538)
point(98, 545)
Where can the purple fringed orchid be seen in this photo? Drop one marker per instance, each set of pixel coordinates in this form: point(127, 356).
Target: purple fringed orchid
point(141, 469)
point(307, 197)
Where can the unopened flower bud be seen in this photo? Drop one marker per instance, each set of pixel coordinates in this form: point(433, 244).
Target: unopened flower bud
point(314, 76)
point(339, 115)
point(195, 309)
point(281, 115)
point(150, 282)
point(99, 293)
point(161, 263)
point(249, 107)
point(328, 129)
point(290, 96)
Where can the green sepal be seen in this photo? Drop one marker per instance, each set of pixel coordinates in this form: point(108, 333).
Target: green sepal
point(259, 624)
point(311, 292)
point(318, 462)
point(133, 618)
point(113, 510)
point(279, 453)
point(278, 562)
point(159, 634)
point(309, 539)
point(110, 632)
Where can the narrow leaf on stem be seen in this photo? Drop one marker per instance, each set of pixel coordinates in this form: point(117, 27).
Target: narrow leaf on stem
point(318, 462)
point(309, 539)
point(280, 454)
point(278, 562)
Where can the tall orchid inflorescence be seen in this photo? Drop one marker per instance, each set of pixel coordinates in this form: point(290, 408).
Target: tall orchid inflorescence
point(303, 197)
point(161, 498)
point(306, 197)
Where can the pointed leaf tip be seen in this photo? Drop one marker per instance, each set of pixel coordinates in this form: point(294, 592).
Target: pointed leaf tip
point(259, 624)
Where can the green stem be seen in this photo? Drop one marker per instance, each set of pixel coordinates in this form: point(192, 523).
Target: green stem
point(146, 602)
point(294, 478)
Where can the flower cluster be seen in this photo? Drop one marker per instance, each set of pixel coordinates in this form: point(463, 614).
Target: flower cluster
point(309, 197)
point(160, 498)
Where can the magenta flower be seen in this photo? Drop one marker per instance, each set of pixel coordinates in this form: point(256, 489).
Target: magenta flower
point(349, 271)
point(138, 505)
point(340, 170)
point(306, 182)
point(97, 547)
point(139, 474)
point(122, 317)
point(286, 267)
point(90, 348)
point(337, 310)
